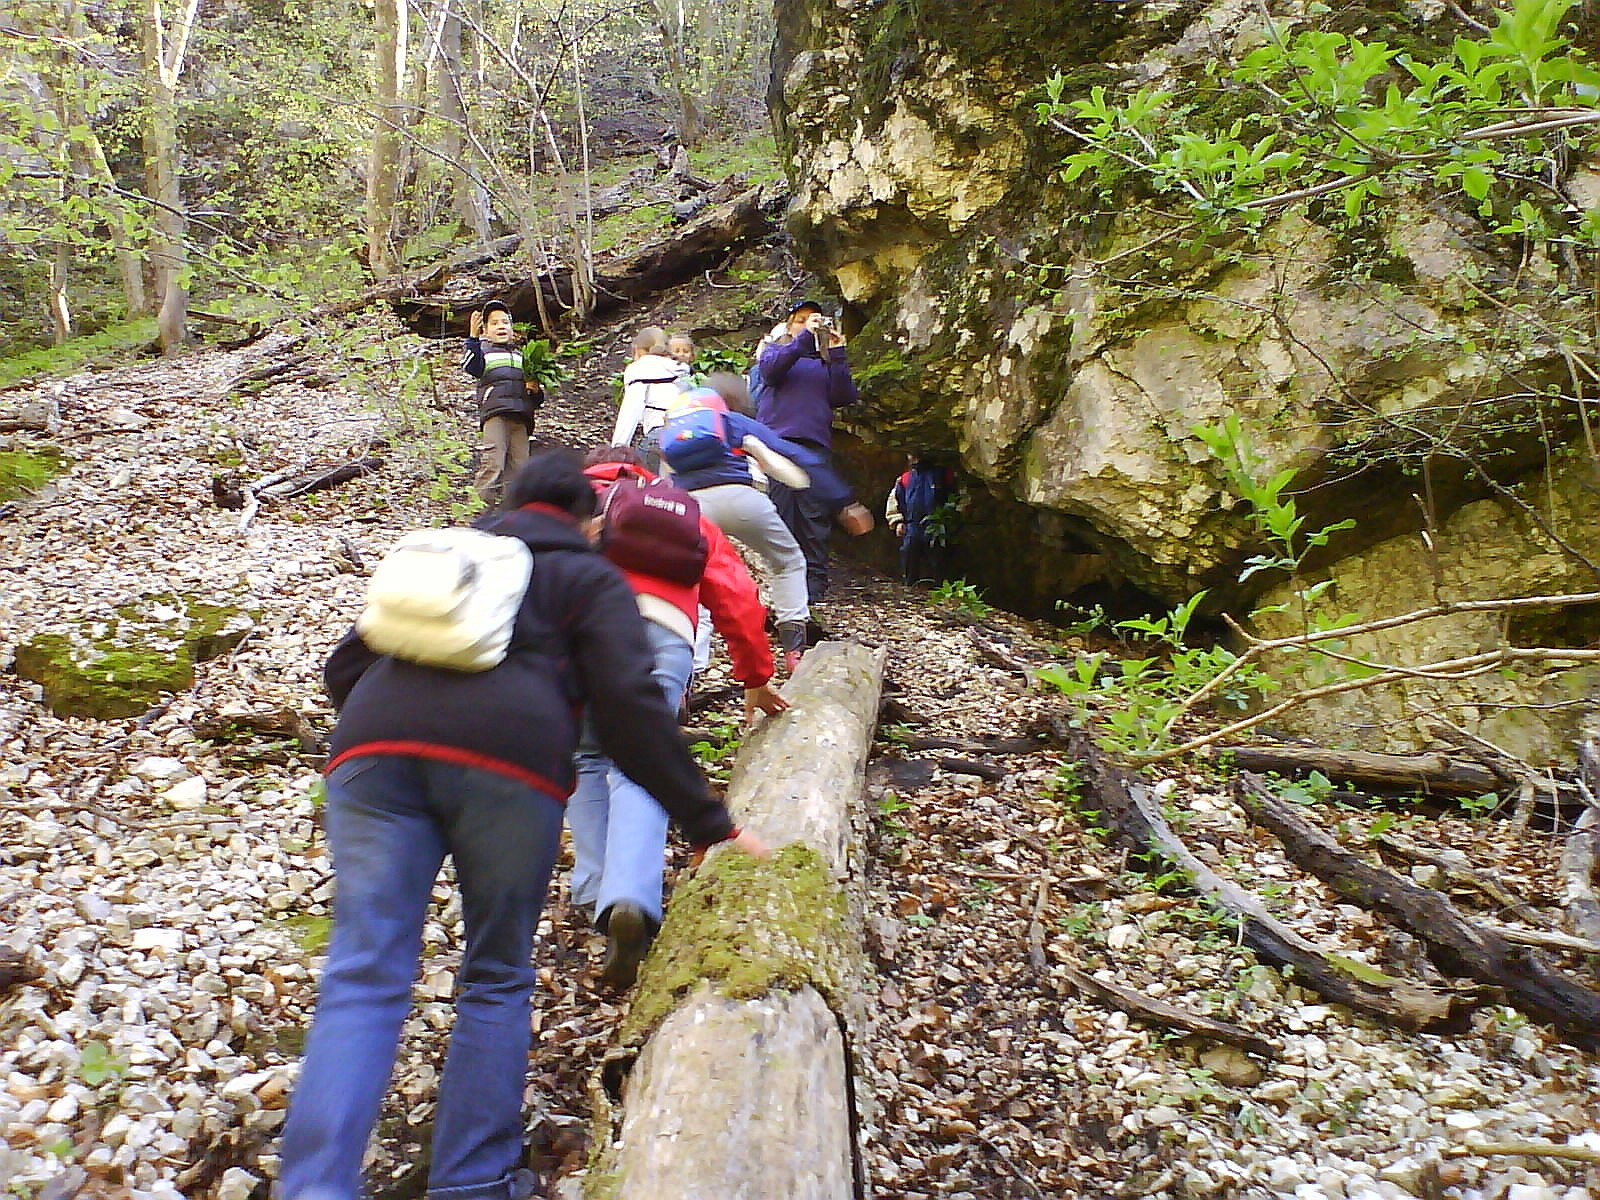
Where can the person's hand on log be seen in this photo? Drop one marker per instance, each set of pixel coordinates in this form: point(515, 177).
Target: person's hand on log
point(746, 842)
point(766, 699)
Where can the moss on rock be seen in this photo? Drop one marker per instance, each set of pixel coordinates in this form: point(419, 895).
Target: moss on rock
point(101, 683)
point(792, 900)
point(23, 472)
point(108, 668)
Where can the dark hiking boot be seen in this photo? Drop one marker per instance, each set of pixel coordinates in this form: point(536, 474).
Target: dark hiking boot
point(629, 932)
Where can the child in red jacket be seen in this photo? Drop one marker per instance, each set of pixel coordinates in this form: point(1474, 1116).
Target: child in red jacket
point(619, 832)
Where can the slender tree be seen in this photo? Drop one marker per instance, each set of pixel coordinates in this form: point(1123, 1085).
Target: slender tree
point(392, 22)
point(165, 45)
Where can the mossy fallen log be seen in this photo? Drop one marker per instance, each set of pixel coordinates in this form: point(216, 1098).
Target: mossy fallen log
point(732, 1073)
point(702, 244)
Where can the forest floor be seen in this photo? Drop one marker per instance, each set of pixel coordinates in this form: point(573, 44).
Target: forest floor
point(170, 887)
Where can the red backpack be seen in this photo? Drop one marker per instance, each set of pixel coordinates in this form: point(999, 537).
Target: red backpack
point(653, 528)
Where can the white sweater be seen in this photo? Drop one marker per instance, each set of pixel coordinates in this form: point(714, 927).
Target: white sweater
point(649, 387)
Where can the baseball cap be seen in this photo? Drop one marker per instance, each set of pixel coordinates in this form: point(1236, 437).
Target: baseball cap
point(495, 306)
point(802, 306)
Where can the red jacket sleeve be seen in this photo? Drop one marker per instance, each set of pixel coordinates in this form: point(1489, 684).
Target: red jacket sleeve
point(736, 612)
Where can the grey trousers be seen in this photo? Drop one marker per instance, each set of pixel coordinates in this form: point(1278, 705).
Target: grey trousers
point(504, 446)
point(748, 517)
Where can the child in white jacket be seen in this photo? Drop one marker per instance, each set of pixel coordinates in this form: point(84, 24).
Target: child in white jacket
point(650, 385)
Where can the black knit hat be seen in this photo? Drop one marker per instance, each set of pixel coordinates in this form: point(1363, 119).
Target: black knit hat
point(801, 305)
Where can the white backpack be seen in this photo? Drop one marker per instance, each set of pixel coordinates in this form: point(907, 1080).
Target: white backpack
point(447, 598)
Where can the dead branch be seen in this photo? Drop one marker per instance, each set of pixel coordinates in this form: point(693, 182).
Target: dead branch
point(1258, 647)
point(1525, 1150)
point(1159, 1012)
point(1457, 869)
point(993, 653)
point(1467, 667)
point(1036, 954)
point(1456, 945)
point(998, 745)
point(16, 969)
point(1582, 849)
point(1434, 773)
point(1544, 939)
point(319, 479)
point(1134, 813)
point(965, 766)
point(1578, 859)
point(701, 244)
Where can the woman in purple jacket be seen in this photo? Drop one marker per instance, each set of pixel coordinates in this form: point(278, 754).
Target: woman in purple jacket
point(803, 380)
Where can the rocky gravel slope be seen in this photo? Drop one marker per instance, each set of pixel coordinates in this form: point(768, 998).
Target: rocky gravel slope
point(168, 886)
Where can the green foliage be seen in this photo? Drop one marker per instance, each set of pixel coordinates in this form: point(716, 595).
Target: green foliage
point(1366, 119)
point(540, 363)
point(754, 156)
point(715, 753)
point(1275, 515)
point(714, 358)
point(1090, 620)
point(889, 804)
point(962, 594)
point(108, 346)
point(1134, 703)
point(944, 522)
point(24, 472)
point(96, 1064)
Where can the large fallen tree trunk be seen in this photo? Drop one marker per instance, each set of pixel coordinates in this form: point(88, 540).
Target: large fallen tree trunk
point(700, 245)
point(732, 1077)
point(1456, 945)
point(1132, 810)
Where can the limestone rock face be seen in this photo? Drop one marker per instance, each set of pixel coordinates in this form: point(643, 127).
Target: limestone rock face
point(1488, 550)
point(1068, 363)
point(1065, 348)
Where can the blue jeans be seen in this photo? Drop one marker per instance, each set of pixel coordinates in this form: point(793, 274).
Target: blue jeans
point(391, 822)
point(619, 832)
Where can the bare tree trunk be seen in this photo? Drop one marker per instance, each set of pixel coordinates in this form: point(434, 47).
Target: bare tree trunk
point(164, 50)
point(129, 265)
point(89, 162)
point(468, 200)
point(391, 20)
point(673, 23)
point(60, 311)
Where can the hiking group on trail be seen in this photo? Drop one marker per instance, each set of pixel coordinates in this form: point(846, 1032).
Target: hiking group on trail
point(504, 679)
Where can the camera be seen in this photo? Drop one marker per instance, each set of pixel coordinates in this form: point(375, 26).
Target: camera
point(826, 322)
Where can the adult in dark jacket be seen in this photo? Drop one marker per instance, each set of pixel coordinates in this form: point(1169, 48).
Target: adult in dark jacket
point(428, 762)
point(804, 380)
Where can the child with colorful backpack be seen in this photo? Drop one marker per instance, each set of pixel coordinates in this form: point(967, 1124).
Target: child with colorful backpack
point(674, 559)
point(709, 442)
